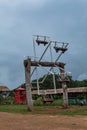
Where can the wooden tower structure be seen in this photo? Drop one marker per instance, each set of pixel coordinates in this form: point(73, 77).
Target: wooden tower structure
point(59, 48)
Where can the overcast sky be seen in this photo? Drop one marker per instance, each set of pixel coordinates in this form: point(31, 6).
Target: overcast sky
point(62, 20)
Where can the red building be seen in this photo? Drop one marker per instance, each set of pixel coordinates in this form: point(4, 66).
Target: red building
point(20, 96)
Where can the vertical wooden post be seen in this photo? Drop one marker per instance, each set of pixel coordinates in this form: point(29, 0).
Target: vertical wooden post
point(64, 87)
point(27, 65)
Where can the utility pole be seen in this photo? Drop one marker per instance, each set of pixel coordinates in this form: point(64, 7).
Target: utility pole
point(27, 65)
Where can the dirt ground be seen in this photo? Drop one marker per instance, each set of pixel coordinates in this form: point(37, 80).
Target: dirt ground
point(10, 121)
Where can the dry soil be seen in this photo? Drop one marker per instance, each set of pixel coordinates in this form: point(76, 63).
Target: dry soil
point(10, 121)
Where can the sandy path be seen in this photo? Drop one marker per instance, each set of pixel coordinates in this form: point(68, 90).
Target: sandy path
point(9, 121)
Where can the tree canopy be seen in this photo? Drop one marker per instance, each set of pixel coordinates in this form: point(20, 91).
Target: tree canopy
point(48, 83)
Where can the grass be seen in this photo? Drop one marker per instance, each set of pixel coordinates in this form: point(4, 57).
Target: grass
point(14, 108)
point(49, 109)
point(75, 110)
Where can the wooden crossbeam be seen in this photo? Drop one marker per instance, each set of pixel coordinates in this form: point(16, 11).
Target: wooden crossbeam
point(60, 91)
point(47, 64)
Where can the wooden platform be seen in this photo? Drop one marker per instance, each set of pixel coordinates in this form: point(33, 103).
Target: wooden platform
point(59, 91)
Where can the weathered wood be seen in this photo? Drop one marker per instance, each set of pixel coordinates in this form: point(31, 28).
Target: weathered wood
point(64, 87)
point(60, 91)
point(27, 65)
point(42, 42)
point(47, 64)
point(48, 99)
point(63, 49)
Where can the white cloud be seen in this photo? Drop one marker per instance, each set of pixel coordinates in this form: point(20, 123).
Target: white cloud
point(82, 76)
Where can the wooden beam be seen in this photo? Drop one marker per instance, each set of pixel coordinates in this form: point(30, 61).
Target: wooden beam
point(27, 65)
point(64, 87)
point(60, 91)
point(47, 64)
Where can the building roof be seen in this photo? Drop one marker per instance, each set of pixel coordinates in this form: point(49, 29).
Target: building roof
point(19, 89)
point(4, 88)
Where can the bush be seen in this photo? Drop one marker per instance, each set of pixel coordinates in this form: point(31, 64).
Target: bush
point(38, 102)
point(6, 100)
point(1, 99)
point(57, 102)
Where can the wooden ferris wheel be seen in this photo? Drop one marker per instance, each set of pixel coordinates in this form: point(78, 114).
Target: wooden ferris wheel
point(52, 46)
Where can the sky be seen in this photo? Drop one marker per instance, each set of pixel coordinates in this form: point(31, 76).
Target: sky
point(62, 20)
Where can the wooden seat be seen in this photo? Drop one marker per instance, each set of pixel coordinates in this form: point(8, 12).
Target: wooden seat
point(48, 98)
point(42, 42)
point(60, 49)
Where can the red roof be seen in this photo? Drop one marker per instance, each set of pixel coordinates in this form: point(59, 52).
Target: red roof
point(20, 88)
